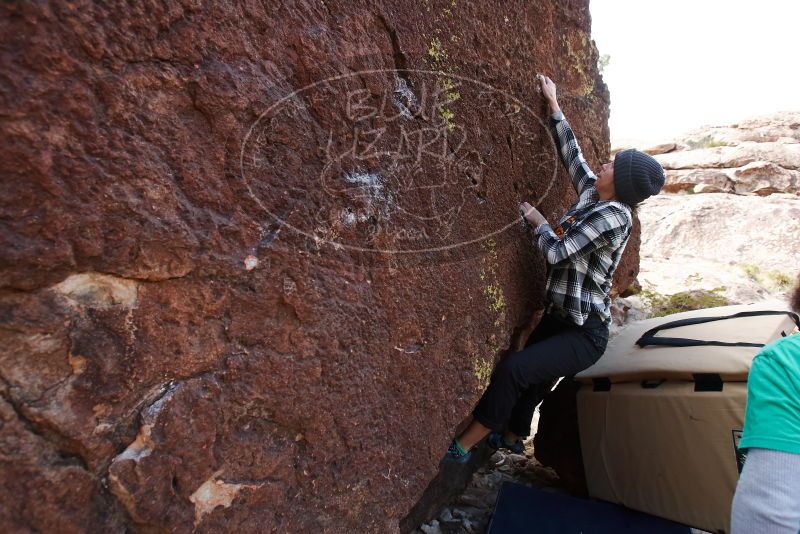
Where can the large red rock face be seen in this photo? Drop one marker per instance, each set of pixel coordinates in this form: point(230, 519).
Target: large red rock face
point(258, 261)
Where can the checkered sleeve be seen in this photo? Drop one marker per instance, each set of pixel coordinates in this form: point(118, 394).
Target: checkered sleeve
point(570, 152)
point(607, 225)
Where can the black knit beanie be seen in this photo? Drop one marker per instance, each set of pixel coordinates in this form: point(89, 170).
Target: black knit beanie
point(637, 176)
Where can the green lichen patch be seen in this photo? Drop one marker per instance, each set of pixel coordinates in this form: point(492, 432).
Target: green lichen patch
point(495, 295)
point(577, 61)
point(436, 51)
point(447, 116)
point(483, 372)
point(437, 55)
point(488, 274)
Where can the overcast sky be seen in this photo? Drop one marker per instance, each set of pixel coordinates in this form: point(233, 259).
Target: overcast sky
point(685, 63)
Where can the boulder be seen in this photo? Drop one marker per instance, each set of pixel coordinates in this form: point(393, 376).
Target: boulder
point(709, 188)
point(782, 154)
point(743, 244)
point(759, 156)
point(728, 229)
point(765, 178)
point(258, 261)
point(781, 127)
point(758, 177)
point(661, 148)
point(652, 149)
point(692, 179)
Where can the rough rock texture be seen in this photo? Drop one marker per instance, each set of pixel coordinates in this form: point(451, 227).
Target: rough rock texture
point(237, 299)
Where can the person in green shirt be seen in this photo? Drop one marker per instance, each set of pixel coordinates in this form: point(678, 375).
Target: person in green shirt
point(767, 498)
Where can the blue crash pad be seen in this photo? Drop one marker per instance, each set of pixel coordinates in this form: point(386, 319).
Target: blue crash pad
point(521, 509)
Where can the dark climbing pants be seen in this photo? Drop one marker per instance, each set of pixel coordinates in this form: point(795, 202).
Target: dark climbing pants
point(556, 348)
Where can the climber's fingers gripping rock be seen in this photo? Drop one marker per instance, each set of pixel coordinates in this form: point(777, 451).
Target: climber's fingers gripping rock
point(548, 87)
point(531, 214)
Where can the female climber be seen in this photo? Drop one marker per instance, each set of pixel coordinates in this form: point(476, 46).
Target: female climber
point(582, 252)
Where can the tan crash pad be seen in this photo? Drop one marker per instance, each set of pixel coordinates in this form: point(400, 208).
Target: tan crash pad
point(667, 451)
point(624, 361)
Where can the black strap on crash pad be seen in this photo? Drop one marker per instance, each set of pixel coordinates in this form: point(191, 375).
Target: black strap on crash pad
point(649, 337)
point(707, 382)
point(601, 384)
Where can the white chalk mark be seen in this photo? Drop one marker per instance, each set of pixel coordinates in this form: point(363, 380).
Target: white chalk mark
point(250, 262)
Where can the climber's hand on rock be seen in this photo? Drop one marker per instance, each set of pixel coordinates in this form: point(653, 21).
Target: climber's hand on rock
point(531, 214)
point(549, 91)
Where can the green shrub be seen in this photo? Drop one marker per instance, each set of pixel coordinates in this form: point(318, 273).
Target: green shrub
point(705, 142)
point(776, 279)
point(780, 280)
point(661, 305)
point(602, 62)
point(752, 271)
point(694, 278)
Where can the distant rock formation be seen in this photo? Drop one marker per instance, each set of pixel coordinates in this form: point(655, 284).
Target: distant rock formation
point(759, 156)
point(259, 259)
point(743, 245)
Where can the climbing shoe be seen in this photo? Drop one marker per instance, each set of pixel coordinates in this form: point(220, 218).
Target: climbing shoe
point(455, 454)
point(497, 441)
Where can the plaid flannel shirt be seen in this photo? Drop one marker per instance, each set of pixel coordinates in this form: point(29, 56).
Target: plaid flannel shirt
point(591, 237)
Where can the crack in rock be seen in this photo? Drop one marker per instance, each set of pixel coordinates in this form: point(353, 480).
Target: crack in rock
point(143, 445)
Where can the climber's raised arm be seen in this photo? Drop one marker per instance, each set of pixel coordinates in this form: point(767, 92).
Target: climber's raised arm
point(608, 225)
point(568, 148)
